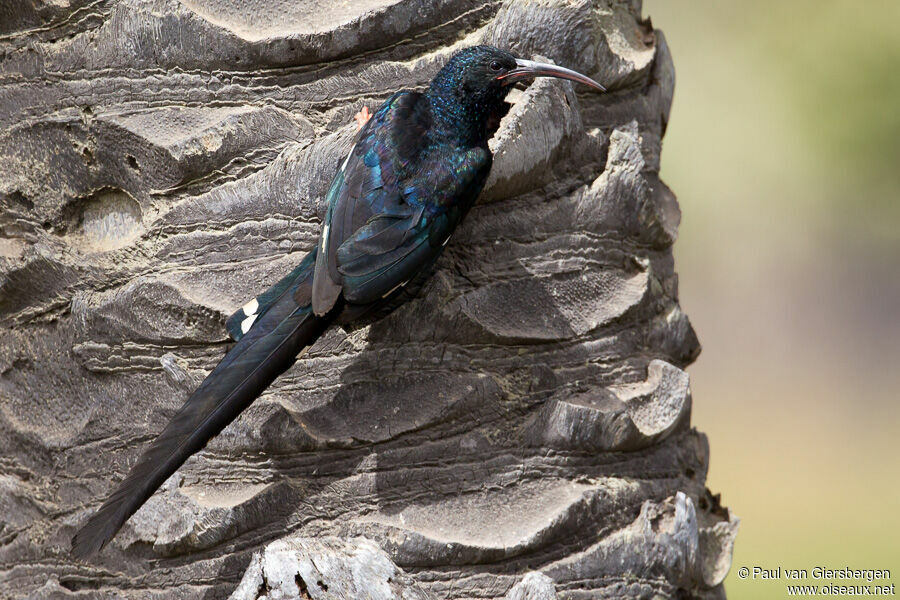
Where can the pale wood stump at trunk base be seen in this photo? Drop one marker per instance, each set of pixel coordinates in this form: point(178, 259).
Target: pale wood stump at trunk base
point(521, 430)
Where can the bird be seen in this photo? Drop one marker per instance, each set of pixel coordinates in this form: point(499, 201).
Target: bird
point(416, 167)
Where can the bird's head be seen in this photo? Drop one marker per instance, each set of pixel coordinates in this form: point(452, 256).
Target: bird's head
point(472, 86)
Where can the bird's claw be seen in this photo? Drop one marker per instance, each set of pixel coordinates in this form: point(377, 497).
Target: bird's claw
point(362, 117)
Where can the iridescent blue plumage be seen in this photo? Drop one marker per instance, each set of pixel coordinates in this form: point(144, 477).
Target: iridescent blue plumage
point(415, 169)
point(408, 181)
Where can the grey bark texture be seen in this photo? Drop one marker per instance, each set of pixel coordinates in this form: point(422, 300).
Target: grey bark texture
point(522, 430)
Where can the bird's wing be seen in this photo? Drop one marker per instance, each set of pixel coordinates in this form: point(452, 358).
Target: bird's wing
point(395, 244)
point(391, 208)
point(367, 181)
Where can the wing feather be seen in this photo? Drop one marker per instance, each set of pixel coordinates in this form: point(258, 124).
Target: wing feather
point(393, 204)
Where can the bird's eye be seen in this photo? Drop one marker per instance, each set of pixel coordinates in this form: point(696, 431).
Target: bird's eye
point(496, 66)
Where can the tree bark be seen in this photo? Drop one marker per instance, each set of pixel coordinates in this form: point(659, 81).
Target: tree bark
point(520, 430)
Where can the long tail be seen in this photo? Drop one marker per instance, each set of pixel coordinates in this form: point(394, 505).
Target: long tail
point(267, 349)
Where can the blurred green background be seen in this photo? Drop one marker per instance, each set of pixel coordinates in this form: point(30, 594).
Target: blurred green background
point(783, 148)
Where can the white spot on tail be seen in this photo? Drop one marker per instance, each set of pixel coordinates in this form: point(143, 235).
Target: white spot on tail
point(247, 323)
point(445, 241)
point(251, 307)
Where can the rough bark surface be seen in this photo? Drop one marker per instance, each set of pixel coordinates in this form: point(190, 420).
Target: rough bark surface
point(522, 430)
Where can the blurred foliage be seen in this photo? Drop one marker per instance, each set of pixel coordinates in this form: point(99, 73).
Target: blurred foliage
point(783, 148)
point(845, 59)
point(822, 77)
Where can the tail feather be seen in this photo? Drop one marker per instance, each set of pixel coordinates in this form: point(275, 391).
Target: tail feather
point(268, 349)
point(240, 322)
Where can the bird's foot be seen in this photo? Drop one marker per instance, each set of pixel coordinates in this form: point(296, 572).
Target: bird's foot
point(362, 117)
